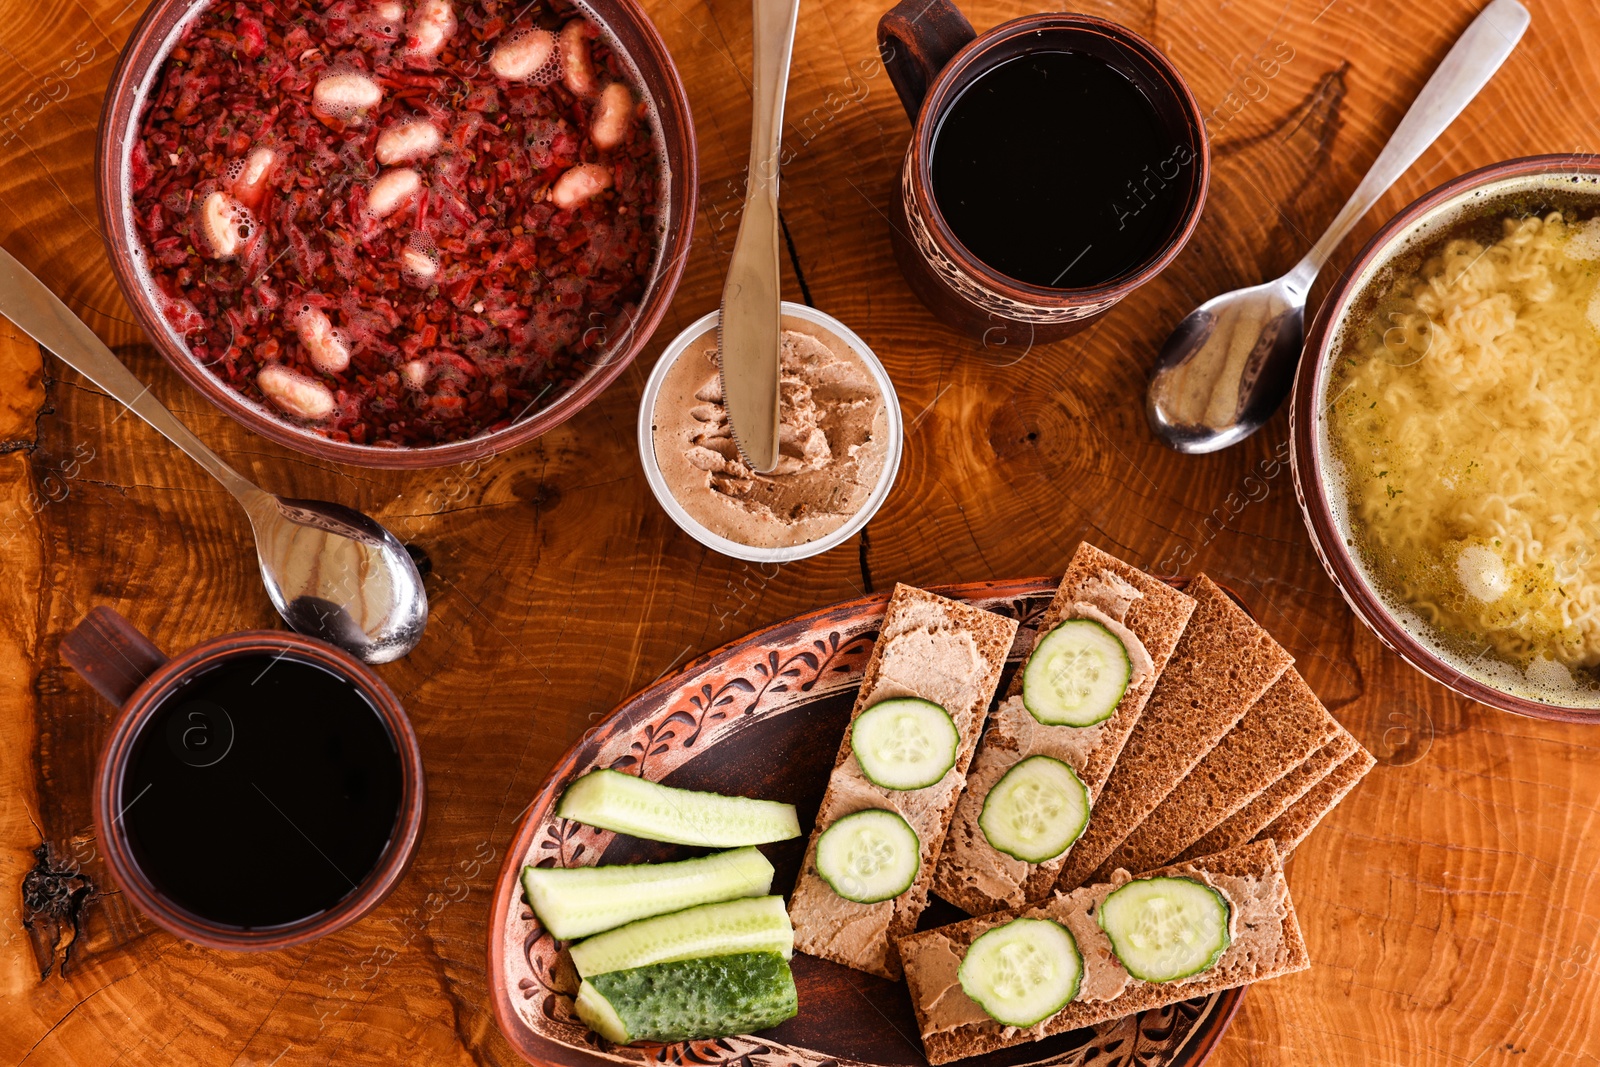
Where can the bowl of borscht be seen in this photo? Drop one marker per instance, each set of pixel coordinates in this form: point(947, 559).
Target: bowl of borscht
point(397, 233)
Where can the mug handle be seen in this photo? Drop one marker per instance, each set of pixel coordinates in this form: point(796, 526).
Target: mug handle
point(110, 654)
point(916, 38)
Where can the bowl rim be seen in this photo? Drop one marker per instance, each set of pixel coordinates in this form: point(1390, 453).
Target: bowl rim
point(941, 94)
point(1305, 457)
point(152, 695)
point(140, 54)
point(756, 553)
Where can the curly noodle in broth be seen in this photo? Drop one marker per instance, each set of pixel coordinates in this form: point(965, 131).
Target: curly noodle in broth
point(1466, 418)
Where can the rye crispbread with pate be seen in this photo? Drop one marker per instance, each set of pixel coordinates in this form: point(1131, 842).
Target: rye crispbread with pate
point(1243, 825)
point(1150, 616)
point(1266, 942)
point(938, 650)
point(1223, 664)
point(1278, 733)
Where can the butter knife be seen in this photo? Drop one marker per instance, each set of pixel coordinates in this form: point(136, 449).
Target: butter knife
point(748, 327)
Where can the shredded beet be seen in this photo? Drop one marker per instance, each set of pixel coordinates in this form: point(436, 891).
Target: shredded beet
point(352, 196)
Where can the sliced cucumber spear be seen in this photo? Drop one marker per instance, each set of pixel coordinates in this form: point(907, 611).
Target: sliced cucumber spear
point(869, 856)
point(1023, 972)
point(905, 743)
point(628, 804)
point(578, 901)
point(1163, 929)
point(690, 999)
point(755, 924)
point(1076, 675)
point(1036, 810)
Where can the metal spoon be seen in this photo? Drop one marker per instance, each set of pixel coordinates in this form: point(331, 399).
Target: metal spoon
point(331, 571)
point(749, 327)
point(1231, 361)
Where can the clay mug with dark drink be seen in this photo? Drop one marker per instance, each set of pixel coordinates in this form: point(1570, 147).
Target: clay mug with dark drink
point(1057, 163)
point(258, 791)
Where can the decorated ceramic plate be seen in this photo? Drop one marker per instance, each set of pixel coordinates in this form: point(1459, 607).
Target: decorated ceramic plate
point(763, 717)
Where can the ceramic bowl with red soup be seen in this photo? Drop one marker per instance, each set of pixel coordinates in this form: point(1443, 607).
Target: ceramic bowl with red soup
point(396, 224)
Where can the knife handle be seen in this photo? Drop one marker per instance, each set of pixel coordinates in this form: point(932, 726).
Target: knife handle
point(773, 46)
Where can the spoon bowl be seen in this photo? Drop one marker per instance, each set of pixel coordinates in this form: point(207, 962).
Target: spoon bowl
point(1228, 365)
point(334, 573)
point(1231, 361)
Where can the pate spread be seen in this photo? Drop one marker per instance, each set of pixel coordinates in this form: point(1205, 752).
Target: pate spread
point(1014, 734)
point(931, 662)
point(1110, 591)
point(833, 443)
point(1256, 911)
point(1104, 978)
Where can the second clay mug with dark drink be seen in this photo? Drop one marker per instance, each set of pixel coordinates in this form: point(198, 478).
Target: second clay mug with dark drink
point(1057, 163)
point(260, 790)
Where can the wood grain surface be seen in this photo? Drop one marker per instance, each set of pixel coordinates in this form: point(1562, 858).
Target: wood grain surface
point(1451, 905)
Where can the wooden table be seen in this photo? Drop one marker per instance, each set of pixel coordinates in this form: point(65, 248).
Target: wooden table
point(1451, 904)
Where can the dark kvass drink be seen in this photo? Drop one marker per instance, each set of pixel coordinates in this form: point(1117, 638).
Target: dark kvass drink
point(261, 793)
point(1055, 169)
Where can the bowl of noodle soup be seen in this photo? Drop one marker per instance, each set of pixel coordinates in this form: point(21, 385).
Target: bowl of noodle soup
point(1446, 440)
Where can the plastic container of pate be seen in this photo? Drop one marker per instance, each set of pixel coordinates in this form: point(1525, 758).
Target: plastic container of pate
point(787, 553)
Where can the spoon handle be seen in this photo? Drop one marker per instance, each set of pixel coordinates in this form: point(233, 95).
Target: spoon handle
point(1465, 70)
point(40, 314)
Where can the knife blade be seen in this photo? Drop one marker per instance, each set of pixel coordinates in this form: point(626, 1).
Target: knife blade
point(749, 325)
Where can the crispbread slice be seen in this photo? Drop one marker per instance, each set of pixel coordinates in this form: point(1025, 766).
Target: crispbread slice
point(1157, 616)
point(1268, 944)
point(1244, 824)
point(1288, 830)
point(974, 876)
point(1279, 732)
point(1222, 665)
point(939, 650)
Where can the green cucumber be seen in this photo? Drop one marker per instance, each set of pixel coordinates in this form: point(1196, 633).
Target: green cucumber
point(1023, 972)
point(1163, 929)
point(578, 901)
point(1036, 810)
point(905, 743)
point(687, 999)
point(754, 924)
point(1076, 675)
point(869, 856)
point(628, 804)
